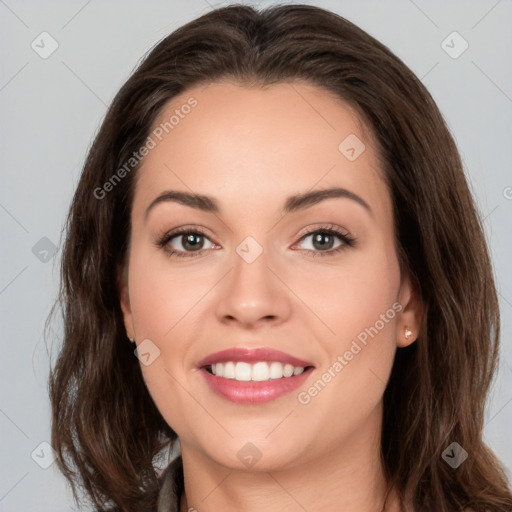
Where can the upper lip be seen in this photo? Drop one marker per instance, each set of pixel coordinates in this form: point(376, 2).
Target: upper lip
point(252, 355)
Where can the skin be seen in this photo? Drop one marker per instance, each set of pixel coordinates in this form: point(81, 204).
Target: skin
point(251, 148)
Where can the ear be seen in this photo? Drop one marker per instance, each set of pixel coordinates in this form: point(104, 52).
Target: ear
point(124, 300)
point(409, 318)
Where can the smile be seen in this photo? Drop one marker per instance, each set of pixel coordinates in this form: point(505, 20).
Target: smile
point(253, 376)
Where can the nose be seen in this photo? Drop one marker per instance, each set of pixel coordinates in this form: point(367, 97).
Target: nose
point(253, 295)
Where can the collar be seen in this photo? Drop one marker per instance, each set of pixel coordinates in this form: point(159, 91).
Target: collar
point(172, 487)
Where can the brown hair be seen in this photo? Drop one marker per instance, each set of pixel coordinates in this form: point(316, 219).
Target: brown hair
point(106, 428)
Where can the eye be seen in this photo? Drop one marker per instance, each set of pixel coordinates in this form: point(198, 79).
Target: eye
point(190, 242)
point(327, 241)
point(184, 242)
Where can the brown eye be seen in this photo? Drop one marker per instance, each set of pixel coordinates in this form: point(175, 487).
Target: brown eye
point(326, 242)
point(323, 241)
point(192, 241)
point(184, 242)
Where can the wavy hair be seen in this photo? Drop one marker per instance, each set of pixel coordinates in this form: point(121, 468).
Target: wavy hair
point(106, 429)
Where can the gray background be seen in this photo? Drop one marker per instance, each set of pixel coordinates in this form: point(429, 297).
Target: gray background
point(51, 108)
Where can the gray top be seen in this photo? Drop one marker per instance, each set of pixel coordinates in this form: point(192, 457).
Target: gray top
point(172, 487)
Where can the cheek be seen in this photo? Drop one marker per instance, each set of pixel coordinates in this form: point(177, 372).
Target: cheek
point(161, 297)
point(356, 305)
point(162, 306)
point(352, 297)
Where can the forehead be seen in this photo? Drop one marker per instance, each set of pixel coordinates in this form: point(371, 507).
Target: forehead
point(249, 144)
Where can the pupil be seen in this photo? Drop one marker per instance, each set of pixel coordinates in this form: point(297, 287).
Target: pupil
point(190, 244)
point(320, 238)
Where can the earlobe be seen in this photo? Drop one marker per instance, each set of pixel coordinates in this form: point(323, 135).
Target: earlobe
point(409, 320)
point(409, 337)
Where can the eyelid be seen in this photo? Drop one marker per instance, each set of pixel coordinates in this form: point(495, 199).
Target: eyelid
point(314, 228)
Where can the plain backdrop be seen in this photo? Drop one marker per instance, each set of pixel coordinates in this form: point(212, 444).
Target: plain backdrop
point(51, 108)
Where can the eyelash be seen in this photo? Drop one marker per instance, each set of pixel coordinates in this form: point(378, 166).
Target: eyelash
point(347, 241)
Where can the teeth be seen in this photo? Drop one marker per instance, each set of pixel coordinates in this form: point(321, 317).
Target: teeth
point(257, 372)
point(242, 371)
point(288, 370)
point(229, 370)
point(276, 370)
point(260, 371)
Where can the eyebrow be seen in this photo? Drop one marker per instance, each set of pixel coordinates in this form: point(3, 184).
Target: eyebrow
point(292, 204)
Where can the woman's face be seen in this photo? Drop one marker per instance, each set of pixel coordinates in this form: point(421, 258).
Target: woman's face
point(265, 269)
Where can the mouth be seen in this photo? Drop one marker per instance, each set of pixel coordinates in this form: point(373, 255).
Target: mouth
point(253, 376)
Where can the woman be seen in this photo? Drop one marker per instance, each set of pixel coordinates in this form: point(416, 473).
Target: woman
point(244, 146)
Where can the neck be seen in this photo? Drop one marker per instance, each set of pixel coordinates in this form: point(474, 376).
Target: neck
point(349, 475)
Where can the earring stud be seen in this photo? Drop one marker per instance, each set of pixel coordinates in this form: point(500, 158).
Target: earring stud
point(132, 340)
point(408, 333)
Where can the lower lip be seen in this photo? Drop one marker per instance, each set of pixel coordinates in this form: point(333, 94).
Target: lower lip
point(251, 392)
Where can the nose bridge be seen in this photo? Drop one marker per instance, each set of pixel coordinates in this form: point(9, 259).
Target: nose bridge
point(252, 292)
